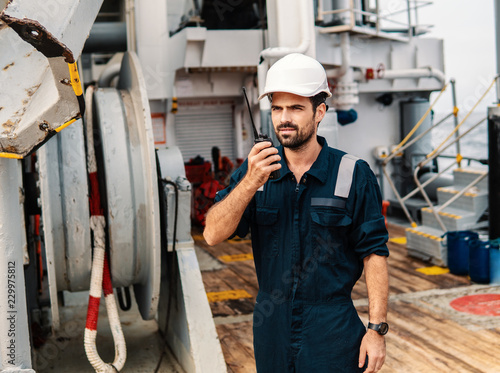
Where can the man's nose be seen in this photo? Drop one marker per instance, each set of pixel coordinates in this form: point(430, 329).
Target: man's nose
point(285, 116)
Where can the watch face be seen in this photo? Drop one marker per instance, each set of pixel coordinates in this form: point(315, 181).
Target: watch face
point(384, 328)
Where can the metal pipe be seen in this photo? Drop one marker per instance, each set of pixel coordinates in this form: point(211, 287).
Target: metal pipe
point(131, 25)
point(455, 112)
point(108, 74)
point(15, 346)
point(345, 46)
point(278, 52)
point(427, 72)
point(410, 27)
point(320, 17)
point(107, 37)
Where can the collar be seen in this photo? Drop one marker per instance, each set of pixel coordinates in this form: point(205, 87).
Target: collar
point(319, 169)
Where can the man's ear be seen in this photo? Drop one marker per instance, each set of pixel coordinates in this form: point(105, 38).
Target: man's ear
point(320, 112)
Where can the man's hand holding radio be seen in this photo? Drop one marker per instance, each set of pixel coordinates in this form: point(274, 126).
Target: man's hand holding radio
point(260, 163)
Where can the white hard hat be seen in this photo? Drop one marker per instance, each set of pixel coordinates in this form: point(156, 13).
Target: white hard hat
point(298, 74)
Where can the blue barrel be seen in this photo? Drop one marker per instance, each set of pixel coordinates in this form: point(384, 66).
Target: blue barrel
point(479, 261)
point(495, 262)
point(458, 251)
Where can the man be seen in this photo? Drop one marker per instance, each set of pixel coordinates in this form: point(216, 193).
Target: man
point(313, 230)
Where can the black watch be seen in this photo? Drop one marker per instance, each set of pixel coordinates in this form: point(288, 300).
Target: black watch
point(381, 328)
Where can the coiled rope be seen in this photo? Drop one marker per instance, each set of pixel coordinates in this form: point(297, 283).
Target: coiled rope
point(100, 275)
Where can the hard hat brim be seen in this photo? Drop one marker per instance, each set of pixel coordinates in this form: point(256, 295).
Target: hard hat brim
point(295, 92)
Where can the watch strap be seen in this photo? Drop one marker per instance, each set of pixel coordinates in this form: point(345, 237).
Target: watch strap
point(381, 328)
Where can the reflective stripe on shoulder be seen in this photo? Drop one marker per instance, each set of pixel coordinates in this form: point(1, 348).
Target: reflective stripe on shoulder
point(344, 177)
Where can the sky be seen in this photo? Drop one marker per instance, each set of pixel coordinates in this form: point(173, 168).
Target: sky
point(468, 30)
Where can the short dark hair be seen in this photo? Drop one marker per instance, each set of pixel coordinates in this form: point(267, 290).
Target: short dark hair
point(316, 100)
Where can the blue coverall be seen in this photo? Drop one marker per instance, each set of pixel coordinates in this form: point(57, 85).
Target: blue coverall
point(309, 246)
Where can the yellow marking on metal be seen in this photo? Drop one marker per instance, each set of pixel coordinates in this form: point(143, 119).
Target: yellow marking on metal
point(452, 191)
point(75, 79)
point(398, 240)
point(455, 111)
point(426, 235)
point(60, 128)
point(220, 296)
point(442, 213)
point(10, 155)
point(470, 171)
point(236, 258)
point(433, 271)
point(237, 240)
point(459, 158)
point(414, 225)
point(198, 237)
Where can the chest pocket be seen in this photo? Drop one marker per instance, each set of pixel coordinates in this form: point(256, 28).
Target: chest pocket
point(267, 222)
point(329, 227)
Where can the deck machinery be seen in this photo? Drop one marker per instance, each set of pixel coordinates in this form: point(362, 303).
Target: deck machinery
point(111, 98)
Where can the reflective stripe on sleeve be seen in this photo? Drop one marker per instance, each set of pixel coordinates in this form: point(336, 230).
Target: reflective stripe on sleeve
point(344, 177)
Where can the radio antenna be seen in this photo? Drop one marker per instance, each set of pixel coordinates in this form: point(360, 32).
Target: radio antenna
point(255, 133)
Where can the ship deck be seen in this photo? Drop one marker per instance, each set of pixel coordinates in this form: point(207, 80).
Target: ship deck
point(426, 335)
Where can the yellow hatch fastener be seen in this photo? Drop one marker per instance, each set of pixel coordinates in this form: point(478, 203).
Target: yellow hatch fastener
point(455, 111)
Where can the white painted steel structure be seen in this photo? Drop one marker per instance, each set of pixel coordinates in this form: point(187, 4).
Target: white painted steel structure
point(15, 346)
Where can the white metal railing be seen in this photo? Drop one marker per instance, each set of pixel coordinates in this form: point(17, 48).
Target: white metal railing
point(375, 18)
point(433, 155)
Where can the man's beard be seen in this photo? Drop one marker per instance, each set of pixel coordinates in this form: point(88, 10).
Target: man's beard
point(297, 139)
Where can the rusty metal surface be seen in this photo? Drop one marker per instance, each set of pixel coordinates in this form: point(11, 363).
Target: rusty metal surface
point(56, 28)
point(38, 40)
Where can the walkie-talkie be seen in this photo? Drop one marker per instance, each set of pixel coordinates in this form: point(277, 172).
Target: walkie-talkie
point(260, 137)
